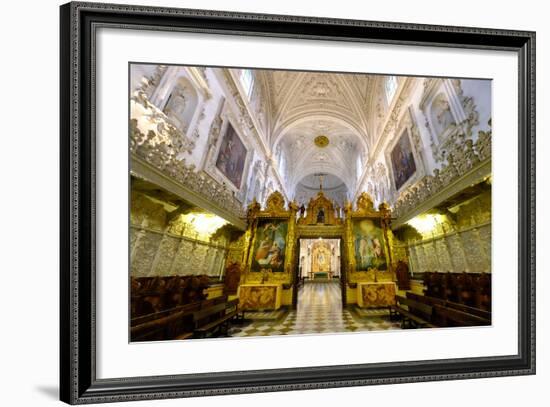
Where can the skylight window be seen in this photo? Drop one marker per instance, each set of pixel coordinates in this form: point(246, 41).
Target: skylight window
point(390, 87)
point(247, 81)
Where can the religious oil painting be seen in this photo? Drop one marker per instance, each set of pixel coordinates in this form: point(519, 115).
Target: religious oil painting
point(402, 160)
point(232, 156)
point(270, 246)
point(370, 251)
point(270, 202)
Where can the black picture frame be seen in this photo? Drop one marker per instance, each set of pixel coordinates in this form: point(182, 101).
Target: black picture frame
point(78, 382)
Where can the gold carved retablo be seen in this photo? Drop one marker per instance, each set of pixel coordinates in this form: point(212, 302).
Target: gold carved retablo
point(259, 297)
point(376, 295)
point(320, 211)
point(275, 203)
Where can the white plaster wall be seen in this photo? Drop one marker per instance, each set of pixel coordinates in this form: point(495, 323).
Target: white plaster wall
point(481, 92)
point(137, 72)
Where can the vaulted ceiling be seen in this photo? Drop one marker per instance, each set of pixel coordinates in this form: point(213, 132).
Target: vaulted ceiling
point(304, 105)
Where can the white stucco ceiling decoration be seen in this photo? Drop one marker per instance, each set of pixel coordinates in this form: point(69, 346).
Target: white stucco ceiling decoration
point(304, 157)
point(304, 105)
point(295, 95)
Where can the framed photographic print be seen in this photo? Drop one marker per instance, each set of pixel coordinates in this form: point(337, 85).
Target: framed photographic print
point(256, 203)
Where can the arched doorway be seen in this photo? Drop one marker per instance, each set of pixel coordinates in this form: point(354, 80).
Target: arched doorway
point(319, 246)
point(319, 283)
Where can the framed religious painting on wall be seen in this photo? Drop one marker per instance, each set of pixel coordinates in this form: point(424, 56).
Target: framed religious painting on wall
point(402, 161)
point(232, 196)
point(370, 246)
point(232, 156)
point(270, 246)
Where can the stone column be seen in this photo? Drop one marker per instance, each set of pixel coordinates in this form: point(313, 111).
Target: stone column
point(140, 234)
point(467, 260)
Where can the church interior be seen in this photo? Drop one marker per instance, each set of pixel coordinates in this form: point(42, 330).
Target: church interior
point(270, 202)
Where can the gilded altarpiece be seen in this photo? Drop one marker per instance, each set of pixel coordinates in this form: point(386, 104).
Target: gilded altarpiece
point(367, 242)
point(269, 247)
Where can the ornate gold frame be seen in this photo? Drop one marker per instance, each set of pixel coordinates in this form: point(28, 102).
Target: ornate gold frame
point(275, 209)
point(365, 210)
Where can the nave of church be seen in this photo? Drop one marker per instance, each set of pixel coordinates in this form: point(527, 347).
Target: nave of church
point(267, 202)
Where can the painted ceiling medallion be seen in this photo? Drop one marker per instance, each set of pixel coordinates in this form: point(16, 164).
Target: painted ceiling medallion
point(321, 141)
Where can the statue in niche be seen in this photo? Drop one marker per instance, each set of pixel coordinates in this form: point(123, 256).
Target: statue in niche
point(302, 210)
point(441, 114)
point(176, 103)
point(181, 104)
point(321, 216)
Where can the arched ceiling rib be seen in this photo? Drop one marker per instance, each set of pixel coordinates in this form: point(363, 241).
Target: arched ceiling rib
point(295, 92)
point(305, 157)
point(304, 105)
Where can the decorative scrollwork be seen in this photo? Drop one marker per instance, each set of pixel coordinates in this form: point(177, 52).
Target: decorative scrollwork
point(463, 156)
point(163, 156)
point(275, 203)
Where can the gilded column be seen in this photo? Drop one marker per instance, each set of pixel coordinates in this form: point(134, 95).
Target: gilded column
point(348, 241)
point(291, 239)
point(252, 222)
point(385, 223)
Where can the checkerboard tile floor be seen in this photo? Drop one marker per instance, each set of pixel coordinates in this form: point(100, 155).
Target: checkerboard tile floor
point(319, 311)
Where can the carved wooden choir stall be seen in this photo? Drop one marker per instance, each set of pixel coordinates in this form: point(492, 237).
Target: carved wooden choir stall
point(177, 307)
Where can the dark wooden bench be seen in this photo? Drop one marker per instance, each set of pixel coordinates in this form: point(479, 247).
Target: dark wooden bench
point(161, 314)
point(213, 301)
point(233, 305)
point(186, 321)
point(415, 315)
point(470, 310)
point(470, 289)
point(450, 317)
point(149, 295)
point(174, 325)
point(450, 304)
point(214, 318)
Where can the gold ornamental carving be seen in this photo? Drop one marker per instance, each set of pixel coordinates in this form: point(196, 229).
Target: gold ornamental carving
point(320, 211)
point(321, 141)
point(275, 205)
point(382, 217)
point(274, 213)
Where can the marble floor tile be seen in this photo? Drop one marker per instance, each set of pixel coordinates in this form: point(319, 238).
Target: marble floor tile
point(319, 310)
